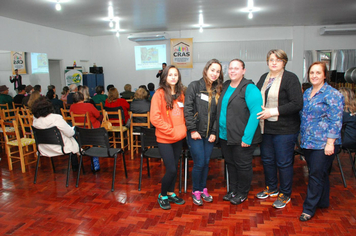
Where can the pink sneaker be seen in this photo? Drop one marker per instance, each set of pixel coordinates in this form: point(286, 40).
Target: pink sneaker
point(206, 196)
point(196, 198)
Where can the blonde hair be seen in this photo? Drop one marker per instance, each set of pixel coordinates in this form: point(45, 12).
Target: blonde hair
point(85, 91)
point(350, 103)
point(113, 95)
point(141, 93)
point(33, 97)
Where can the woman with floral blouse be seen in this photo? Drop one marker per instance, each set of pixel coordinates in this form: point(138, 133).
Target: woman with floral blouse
point(321, 123)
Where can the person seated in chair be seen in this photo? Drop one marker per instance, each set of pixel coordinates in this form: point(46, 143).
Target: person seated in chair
point(127, 94)
point(140, 105)
point(5, 98)
point(57, 104)
point(44, 117)
point(114, 101)
point(100, 96)
point(349, 119)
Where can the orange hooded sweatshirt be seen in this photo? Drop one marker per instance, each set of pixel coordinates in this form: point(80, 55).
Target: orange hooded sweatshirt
point(170, 124)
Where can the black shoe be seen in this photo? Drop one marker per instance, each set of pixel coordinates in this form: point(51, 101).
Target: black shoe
point(164, 202)
point(238, 199)
point(228, 196)
point(175, 199)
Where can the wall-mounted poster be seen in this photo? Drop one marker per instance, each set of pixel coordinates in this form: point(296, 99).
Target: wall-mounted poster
point(182, 52)
point(73, 77)
point(18, 61)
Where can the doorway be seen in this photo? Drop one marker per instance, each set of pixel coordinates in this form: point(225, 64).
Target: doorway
point(56, 75)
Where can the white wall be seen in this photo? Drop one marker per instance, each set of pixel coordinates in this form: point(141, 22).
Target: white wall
point(116, 55)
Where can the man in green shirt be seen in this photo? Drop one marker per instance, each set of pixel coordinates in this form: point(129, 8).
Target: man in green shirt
point(4, 97)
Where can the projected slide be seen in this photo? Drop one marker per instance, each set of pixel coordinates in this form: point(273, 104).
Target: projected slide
point(150, 57)
point(39, 63)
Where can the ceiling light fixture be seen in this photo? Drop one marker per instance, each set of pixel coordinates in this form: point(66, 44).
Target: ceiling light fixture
point(250, 15)
point(111, 24)
point(250, 9)
point(58, 6)
point(111, 12)
point(201, 22)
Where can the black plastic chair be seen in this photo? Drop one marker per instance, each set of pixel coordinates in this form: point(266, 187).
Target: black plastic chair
point(149, 149)
point(350, 151)
point(95, 143)
point(51, 136)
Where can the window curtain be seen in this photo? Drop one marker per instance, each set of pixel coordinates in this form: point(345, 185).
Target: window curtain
point(308, 60)
point(343, 60)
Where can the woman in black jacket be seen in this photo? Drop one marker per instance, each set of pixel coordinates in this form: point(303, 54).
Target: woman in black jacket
point(200, 114)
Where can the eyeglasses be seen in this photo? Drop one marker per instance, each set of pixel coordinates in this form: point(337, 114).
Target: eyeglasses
point(272, 60)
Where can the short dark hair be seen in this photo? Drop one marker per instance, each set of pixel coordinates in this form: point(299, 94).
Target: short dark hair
point(151, 86)
point(109, 87)
point(99, 89)
point(37, 87)
point(78, 97)
point(51, 87)
point(164, 63)
point(50, 94)
point(42, 107)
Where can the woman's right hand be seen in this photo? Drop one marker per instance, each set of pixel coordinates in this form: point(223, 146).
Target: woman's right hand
point(195, 135)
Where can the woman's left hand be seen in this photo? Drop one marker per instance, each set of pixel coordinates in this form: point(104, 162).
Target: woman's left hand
point(244, 144)
point(264, 114)
point(329, 149)
point(212, 138)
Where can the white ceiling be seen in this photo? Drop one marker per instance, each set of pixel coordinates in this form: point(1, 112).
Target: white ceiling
point(87, 17)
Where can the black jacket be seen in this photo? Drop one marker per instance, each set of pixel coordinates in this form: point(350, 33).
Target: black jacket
point(199, 112)
point(237, 114)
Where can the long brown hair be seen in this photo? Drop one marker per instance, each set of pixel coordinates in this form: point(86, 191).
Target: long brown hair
point(113, 95)
point(350, 102)
point(167, 88)
point(216, 86)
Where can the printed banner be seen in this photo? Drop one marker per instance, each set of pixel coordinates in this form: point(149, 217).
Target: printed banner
point(73, 77)
point(18, 61)
point(182, 53)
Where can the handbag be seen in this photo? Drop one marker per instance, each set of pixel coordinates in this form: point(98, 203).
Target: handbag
point(106, 123)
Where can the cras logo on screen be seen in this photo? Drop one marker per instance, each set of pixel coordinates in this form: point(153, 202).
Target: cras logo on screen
point(181, 50)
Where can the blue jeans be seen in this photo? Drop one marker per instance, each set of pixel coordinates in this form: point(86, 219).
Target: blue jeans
point(318, 185)
point(277, 153)
point(200, 151)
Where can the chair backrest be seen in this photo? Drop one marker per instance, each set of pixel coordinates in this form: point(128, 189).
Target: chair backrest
point(9, 114)
point(81, 120)
point(50, 135)
point(4, 106)
point(66, 115)
point(113, 113)
point(16, 105)
point(148, 138)
point(99, 106)
point(93, 137)
point(13, 133)
point(25, 123)
point(139, 120)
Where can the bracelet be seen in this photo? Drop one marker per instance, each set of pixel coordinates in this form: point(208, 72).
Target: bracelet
point(331, 144)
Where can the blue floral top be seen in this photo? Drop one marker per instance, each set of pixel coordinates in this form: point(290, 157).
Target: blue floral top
point(321, 117)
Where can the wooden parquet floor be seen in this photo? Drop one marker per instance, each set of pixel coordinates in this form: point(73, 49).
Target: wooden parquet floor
point(49, 208)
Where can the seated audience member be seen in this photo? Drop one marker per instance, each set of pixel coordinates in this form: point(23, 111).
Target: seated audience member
point(85, 91)
point(113, 101)
point(44, 118)
point(29, 89)
point(80, 107)
point(140, 105)
point(100, 96)
point(127, 94)
point(52, 87)
point(349, 119)
point(305, 86)
point(145, 88)
point(38, 88)
point(72, 90)
point(5, 98)
point(64, 93)
point(151, 88)
point(33, 97)
point(109, 87)
point(56, 103)
point(20, 95)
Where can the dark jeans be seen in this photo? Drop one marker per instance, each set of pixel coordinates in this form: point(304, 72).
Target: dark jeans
point(277, 153)
point(170, 153)
point(200, 151)
point(318, 185)
point(239, 166)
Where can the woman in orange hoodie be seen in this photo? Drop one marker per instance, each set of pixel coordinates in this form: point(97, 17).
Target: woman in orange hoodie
point(167, 115)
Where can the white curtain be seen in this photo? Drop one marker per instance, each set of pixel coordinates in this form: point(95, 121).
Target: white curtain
point(308, 60)
point(343, 60)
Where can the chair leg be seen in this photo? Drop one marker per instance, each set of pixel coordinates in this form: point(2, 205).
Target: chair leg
point(113, 174)
point(227, 178)
point(340, 167)
point(38, 161)
point(68, 168)
point(352, 162)
point(54, 169)
point(80, 165)
point(185, 173)
point(148, 167)
point(124, 161)
point(140, 177)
